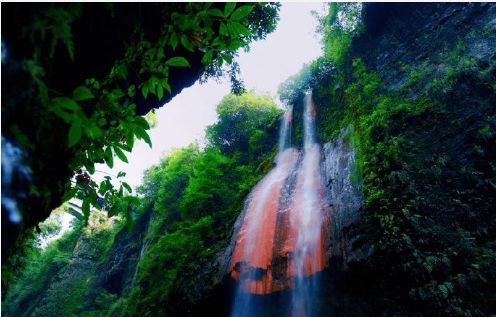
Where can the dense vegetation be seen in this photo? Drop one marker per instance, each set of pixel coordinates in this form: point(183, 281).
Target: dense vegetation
point(426, 160)
point(69, 105)
point(189, 204)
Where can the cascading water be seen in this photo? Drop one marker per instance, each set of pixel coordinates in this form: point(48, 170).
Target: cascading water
point(307, 218)
point(280, 244)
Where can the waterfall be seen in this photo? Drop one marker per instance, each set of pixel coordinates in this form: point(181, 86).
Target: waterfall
point(280, 245)
point(285, 131)
point(307, 217)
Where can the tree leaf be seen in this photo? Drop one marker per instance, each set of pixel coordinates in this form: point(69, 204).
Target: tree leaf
point(127, 187)
point(207, 58)
point(113, 211)
point(65, 103)
point(117, 93)
point(86, 209)
point(186, 43)
point(229, 8)
point(121, 174)
point(120, 154)
point(141, 134)
point(109, 157)
point(227, 58)
point(69, 194)
point(74, 133)
point(215, 13)
point(160, 92)
point(75, 213)
point(223, 29)
point(130, 138)
point(90, 167)
point(144, 90)
point(178, 62)
point(241, 12)
point(82, 93)
point(132, 200)
point(174, 40)
point(142, 123)
point(167, 87)
point(239, 28)
point(92, 130)
point(131, 90)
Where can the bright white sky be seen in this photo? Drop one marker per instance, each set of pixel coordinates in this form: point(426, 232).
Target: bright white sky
point(269, 63)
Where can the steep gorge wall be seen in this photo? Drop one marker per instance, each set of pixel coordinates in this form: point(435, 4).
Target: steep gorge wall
point(425, 39)
point(419, 86)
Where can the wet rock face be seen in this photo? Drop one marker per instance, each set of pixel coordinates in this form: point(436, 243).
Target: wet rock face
point(346, 241)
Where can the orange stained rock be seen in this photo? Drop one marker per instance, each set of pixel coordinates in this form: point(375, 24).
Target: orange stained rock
point(253, 253)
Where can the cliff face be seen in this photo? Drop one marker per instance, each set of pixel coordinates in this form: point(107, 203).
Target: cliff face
point(418, 86)
point(345, 198)
point(424, 38)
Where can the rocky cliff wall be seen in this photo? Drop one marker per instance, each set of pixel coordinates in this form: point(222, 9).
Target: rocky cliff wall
point(425, 40)
point(345, 199)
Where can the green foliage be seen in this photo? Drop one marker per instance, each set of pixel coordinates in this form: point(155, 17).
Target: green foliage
point(342, 24)
point(240, 117)
point(97, 119)
point(54, 281)
point(197, 195)
point(39, 267)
